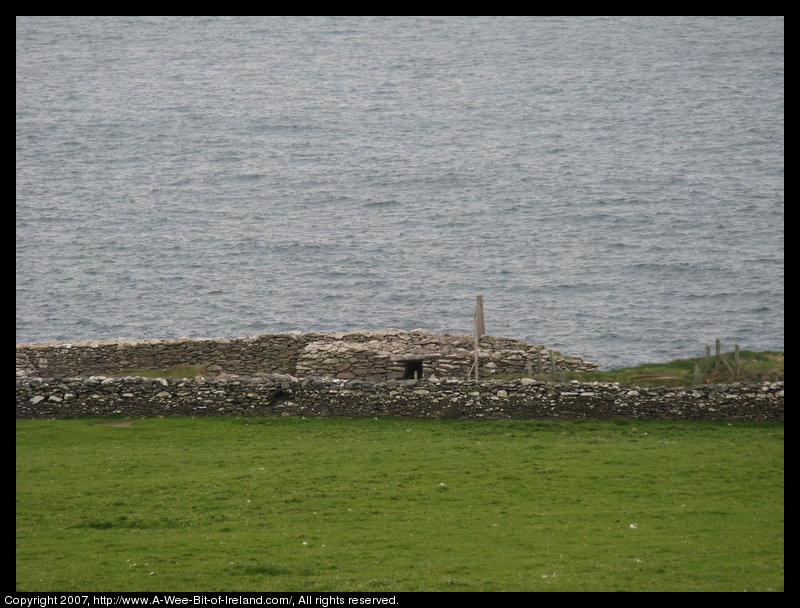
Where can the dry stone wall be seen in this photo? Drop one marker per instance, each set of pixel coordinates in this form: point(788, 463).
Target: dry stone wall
point(373, 355)
point(350, 374)
point(277, 394)
point(269, 353)
point(388, 355)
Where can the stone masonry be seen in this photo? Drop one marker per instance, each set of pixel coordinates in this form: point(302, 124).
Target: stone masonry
point(375, 355)
point(278, 394)
point(390, 372)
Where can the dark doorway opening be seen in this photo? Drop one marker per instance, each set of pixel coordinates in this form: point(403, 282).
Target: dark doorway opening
point(413, 369)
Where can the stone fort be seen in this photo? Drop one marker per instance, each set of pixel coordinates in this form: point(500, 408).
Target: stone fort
point(390, 372)
point(388, 354)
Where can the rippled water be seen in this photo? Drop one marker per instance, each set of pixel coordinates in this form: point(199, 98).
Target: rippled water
point(613, 187)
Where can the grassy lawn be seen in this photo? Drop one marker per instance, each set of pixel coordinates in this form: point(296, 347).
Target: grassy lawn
point(293, 504)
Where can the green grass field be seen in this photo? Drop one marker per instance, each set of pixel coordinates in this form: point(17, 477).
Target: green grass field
point(753, 367)
point(293, 504)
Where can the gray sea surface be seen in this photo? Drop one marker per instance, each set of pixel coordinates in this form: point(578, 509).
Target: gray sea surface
point(613, 187)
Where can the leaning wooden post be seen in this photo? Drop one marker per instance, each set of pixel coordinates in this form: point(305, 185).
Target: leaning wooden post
point(721, 359)
point(553, 364)
point(708, 359)
point(736, 360)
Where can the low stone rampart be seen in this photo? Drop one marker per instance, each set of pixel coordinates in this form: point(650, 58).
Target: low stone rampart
point(268, 353)
point(277, 394)
point(387, 354)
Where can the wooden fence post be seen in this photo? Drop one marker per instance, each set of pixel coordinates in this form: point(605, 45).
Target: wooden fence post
point(721, 358)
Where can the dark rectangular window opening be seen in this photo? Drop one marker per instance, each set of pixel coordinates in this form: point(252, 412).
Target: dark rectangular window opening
point(413, 369)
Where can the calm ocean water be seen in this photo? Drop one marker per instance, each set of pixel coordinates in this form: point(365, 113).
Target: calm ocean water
point(613, 187)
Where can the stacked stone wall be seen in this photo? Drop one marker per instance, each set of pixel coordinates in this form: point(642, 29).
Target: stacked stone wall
point(268, 353)
point(350, 374)
point(277, 394)
point(373, 355)
point(384, 355)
